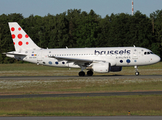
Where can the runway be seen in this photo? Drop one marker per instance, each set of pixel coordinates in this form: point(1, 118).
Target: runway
point(75, 77)
point(83, 94)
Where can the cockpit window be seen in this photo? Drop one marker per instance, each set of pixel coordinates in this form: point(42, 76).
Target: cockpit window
point(151, 53)
point(147, 53)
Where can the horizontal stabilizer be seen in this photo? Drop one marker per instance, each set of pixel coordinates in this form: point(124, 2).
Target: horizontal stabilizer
point(14, 53)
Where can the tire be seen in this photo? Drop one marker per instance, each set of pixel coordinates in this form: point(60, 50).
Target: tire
point(81, 73)
point(90, 73)
point(136, 73)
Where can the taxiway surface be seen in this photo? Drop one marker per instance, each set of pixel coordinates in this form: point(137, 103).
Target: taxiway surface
point(83, 94)
point(74, 77)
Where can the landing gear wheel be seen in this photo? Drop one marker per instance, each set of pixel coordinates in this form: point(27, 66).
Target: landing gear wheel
point(136, 69)
point(81, 73)
point(90, 73)
point(136, 73)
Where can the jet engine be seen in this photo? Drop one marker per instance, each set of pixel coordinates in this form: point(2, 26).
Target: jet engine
point(105, 67)
point(101, 67)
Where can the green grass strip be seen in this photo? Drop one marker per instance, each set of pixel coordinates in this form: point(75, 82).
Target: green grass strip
point(82, 106)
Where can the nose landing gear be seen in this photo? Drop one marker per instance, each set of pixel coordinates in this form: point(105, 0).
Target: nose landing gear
point(136, 70)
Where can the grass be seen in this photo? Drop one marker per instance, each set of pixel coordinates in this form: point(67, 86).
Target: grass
point(34, 70)
point(78, 85)
point(79, 106)
point(82, 106)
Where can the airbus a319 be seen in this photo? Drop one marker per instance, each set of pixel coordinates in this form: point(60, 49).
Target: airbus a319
point(102, 59)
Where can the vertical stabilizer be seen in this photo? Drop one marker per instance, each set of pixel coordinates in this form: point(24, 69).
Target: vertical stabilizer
point(20, 39)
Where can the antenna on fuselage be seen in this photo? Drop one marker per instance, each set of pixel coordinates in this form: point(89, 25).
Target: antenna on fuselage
point(134, 46)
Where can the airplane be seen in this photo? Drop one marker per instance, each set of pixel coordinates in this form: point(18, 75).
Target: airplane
point(99, 59)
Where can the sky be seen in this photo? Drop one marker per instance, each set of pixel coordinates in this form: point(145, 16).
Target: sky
point(100, 7)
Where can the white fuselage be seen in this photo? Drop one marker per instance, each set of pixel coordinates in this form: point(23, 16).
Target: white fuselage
point(117, 56)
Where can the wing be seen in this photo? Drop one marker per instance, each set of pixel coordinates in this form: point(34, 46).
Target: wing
point(78, 61)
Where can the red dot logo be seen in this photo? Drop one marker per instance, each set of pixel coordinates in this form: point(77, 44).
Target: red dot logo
point(19, 28)
point(20, 43)
point(19, 36)
point(12, 29)
point(26, 36)
point(14, 43)
point(27, 43)
point(13, 36)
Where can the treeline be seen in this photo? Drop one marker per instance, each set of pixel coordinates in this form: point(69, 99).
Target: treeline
point(75, 28)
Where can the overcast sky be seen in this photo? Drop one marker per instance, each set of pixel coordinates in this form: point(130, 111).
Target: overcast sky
point(100, 7)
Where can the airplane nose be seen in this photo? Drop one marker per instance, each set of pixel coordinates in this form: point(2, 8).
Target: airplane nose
point(157, 59)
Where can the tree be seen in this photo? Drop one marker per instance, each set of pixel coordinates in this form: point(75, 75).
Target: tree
point(87, 28)
point(156, 18)
point(75, 28)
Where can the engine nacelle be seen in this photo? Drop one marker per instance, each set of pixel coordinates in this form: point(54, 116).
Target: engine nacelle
point(116, 69)
point(101, 67)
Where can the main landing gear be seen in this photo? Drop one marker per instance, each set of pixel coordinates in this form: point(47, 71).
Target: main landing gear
point(136, 70)
point(89, 73)
point(81, 73)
